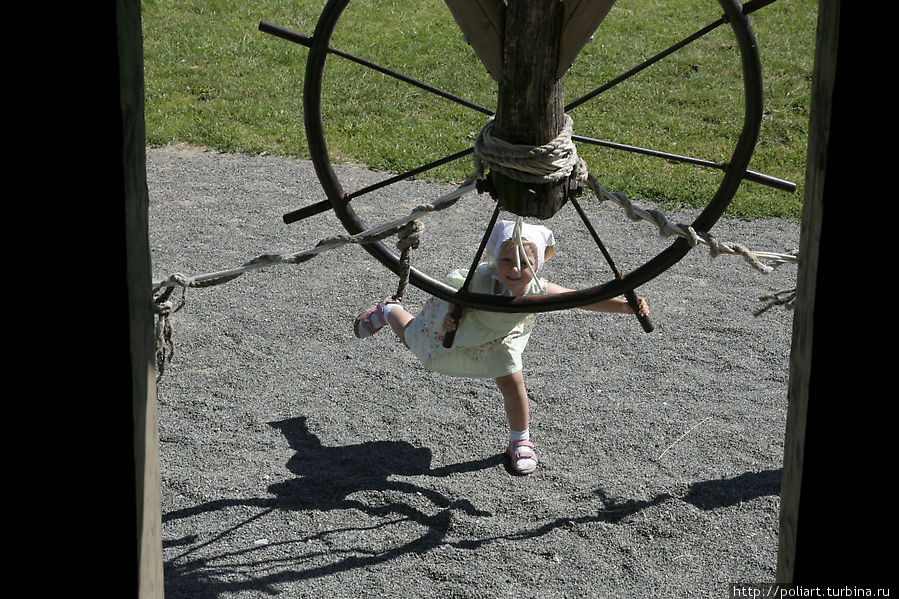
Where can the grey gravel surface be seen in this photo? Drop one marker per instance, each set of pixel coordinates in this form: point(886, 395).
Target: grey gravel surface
point(299, 461)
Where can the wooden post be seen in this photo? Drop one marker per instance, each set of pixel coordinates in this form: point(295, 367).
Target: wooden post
point(526, 47)
point(803, 320)
point(126, 177)
point(836, 491)
point(530, 107)
point(483, 23)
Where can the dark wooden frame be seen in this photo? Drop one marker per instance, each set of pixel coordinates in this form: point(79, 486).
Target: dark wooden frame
point(816, 519)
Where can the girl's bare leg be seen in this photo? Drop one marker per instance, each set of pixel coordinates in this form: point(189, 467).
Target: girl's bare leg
point(398, 319)
point(515, 400)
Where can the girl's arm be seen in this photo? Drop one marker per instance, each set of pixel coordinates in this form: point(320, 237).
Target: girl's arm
point(613, 304)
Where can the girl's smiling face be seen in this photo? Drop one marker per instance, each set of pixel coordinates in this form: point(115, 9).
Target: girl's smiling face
point(515, 275)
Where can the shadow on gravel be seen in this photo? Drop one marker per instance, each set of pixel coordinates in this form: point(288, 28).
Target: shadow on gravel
point(329, 478)
point(713, 494)
point(705, 495)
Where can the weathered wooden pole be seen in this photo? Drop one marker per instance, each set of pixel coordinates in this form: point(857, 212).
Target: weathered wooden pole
point(530, 106)
point(838, 436)
point(526, 47)
point(125, 176)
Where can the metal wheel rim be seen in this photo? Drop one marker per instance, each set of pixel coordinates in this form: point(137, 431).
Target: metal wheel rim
point(752, 88)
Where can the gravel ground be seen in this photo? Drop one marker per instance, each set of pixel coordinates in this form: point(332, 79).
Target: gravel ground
point(299, 461)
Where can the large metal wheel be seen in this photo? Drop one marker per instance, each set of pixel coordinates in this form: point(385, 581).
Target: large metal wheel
point(734, 168)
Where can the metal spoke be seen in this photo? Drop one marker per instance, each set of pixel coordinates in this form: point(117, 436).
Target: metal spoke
point(630, 295)
point(450, 336)
point(756, 177)
point(305, 40)
point(749, 7)
point(326, 205)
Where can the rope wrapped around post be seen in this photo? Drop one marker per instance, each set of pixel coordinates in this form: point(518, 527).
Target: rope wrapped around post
point(549, 163)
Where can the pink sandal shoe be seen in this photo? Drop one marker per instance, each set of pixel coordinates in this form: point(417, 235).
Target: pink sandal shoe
point(522, 456)
point(372, 320)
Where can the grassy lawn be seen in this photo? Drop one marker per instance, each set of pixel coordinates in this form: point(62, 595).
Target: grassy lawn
point(214, 80)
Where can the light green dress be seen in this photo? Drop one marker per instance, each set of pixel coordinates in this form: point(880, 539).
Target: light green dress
point(487, 344)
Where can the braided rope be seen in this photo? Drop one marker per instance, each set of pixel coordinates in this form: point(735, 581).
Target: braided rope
point(407, 228)
point(165, 347)
point(784, 297)
point(693, 237)
point(408, 240)
point(371, 235)
point(549, 163)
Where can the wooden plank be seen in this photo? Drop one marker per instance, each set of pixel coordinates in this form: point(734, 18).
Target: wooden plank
point(804, 314)
point(483, 23)
point(581, 18)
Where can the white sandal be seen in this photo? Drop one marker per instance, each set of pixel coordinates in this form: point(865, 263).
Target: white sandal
point(522, 456)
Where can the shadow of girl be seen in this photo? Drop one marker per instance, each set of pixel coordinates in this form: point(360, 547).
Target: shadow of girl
point(329, 476)
point(329, 479)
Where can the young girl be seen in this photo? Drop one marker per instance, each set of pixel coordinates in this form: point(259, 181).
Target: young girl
point(487, 344)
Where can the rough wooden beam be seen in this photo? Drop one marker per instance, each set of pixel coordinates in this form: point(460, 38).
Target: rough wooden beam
point(580, 20)
point(828, 438)
point(483, 23)
point(530, 107)
point(127, 201)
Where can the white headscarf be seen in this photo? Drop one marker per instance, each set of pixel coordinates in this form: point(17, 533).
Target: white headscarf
point(538, 235)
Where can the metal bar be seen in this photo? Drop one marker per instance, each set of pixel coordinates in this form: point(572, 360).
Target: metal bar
point(753, 176)
point(305, 40)
point(325, 205)
point(307, 211)
point(748, 8)
point(412, 173)
point(629, 295)
point(458, 308)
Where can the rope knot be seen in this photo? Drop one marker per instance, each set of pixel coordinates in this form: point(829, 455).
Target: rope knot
point(407, 240)
point(408, 236)
point(165, 347)
point(548, 163)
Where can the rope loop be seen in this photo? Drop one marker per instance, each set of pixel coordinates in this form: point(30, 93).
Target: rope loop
point(548, 163)
point(408, 239)
point(409, 236)
point(165, 347)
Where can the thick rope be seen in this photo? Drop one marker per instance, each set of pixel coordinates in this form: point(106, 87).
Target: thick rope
point(516, 235)
point(693, 237)
point(784, 297)
point(408, 240)
point(165, 347)
point(549, 163)
point(407, 228)
point(371, 235)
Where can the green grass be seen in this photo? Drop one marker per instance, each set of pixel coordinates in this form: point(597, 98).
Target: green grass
point(213, 79)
